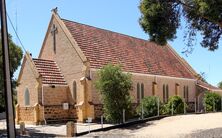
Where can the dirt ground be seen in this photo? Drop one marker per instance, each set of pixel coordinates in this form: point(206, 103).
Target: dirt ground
point(188, 126)
point(52, 130)
point(181, 126)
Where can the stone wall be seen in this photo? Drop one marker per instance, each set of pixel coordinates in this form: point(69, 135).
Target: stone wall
point(34, 115)
point(56, 95)
point(28, 80)
point(53, 104)
point(70, 60)
point(57, 113)
point(26, 114)
point(41, 114)
point(66, 57)
point(148, 80)
point(29, 115)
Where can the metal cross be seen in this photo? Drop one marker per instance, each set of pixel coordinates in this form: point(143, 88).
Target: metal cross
point(53, 32)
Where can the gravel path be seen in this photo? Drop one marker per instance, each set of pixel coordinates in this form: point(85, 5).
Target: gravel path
point(182, 126)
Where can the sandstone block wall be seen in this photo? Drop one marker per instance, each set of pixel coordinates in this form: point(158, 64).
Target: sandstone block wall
point(57, 113)
point(148, 80)
point(26, 114)
point(55, 96)
point(29, 81)
point(53, 103)
point(70, 63)
point(66, 57)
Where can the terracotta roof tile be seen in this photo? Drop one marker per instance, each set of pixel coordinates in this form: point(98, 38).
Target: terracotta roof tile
point(49, 71)
point(136, 55)
point(207, 86)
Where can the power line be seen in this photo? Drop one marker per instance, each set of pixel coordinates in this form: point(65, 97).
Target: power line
point(16, 32)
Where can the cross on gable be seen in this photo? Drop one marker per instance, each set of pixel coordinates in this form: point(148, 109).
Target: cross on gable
point(53, 32)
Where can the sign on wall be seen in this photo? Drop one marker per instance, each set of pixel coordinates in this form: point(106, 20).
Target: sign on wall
point(65, 106)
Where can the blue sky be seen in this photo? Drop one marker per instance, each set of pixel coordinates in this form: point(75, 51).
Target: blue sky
point(117, 15)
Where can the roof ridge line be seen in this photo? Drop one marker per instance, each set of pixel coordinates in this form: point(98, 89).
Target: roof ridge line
point(110, 31)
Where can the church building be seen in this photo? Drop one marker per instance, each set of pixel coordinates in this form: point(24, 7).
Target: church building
point(59, 84)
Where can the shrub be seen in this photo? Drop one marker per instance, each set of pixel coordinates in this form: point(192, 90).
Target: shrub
point(150, 106)
point(209, 99)
point(177, 103)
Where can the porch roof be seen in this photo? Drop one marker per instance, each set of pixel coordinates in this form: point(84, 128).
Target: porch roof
point(49, 72)
point(208, 87)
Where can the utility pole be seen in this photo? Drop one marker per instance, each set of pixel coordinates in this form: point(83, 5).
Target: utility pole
point(7, 78)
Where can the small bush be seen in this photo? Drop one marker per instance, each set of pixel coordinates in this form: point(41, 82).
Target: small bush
point(150, 106)
point(209, 99)
point(177, 103)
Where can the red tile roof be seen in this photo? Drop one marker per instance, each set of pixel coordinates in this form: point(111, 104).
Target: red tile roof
point(49, 71)
point(207, 86)
point(135, 55)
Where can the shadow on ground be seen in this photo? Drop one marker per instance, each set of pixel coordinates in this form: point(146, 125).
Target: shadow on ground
point(119, 132)
point(209, 133)
point(29, 133)
point(138, 126)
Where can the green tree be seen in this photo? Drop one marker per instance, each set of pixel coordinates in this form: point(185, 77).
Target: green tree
point(212, 101)
point(220, 84)
point(15, 56)
point(161, 18)
point(114, 86)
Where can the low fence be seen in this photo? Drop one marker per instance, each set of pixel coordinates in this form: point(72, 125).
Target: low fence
point(100, 120)
point(115, 126)
point(102, 125)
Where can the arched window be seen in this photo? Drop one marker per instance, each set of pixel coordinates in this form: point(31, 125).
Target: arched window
point(74, 89)
point(167, 93)
point(164, 91)
point(186, 93)
point(177, 89)
point(154, 87)
point(138, 92)
point(27, 97)
point(142, 91)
